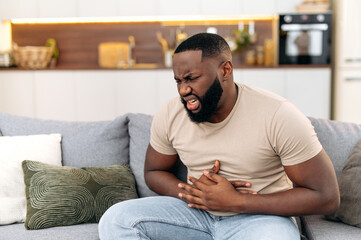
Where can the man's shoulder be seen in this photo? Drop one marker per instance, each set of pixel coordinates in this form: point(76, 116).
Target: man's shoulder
point(258, 98)
point(261, 93)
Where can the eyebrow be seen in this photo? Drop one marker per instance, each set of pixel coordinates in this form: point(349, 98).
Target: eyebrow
point(187, 76)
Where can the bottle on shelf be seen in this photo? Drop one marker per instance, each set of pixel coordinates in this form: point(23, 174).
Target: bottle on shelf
point(260, 55)
point(269, 52)
point(251, 57)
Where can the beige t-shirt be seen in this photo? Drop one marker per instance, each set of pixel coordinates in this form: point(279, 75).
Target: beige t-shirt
point(262, 133)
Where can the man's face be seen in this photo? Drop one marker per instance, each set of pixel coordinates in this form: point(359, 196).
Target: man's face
point(198, 85)
point(209, 103)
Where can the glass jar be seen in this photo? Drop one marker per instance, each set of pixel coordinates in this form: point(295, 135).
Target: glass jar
point(260, 55)
point(251, 57)
point(269, 52)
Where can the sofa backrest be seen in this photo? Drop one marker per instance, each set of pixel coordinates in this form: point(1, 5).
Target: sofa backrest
point(337, 138)
point(126, 138)
point(139, 132)
point(84, 144)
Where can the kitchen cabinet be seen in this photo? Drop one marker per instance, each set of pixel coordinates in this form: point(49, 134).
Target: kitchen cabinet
point(288, 6)
point(64, 8)
point(348, 33)
point(96, 8)
point(94, 95)
point(256, 7)
point(18, 9)
point(110, 8)
point(270, 79)
point(309, 90)
point(228, 7)
point(348, 100)
point(138, 8)
point(166, 86)
point(184, 7)
point(347, 73)
point(54, 95)
point(136, 91)
point(17, 95)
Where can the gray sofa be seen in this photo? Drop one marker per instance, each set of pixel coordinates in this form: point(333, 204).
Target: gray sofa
point(124, 140)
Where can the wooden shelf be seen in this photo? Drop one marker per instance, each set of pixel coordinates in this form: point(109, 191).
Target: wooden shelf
point(78, 42)
point(159, 67)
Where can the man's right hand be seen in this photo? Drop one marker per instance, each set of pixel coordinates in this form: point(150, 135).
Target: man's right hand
point(237, 184)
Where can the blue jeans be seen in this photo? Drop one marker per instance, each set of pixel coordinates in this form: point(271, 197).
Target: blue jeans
point(159, 218)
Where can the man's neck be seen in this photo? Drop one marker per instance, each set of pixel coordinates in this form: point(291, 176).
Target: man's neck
point(226, 108)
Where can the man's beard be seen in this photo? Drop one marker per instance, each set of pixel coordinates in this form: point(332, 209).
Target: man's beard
point(208, 103)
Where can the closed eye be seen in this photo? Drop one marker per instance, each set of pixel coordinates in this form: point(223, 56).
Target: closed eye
point(191, 78)
point(187, 79)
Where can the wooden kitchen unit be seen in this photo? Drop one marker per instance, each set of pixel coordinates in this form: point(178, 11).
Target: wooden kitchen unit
point(78, 41)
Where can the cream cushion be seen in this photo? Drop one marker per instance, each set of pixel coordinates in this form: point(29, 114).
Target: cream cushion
point(13, 150)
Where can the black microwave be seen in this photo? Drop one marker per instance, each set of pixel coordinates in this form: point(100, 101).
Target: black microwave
point(305, 39)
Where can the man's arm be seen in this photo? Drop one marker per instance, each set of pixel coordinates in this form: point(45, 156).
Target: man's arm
point(157, 172)
point(316, 192)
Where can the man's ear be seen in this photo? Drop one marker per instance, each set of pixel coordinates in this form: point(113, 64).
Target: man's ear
point(227, 70)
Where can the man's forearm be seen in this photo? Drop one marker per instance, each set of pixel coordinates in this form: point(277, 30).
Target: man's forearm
point(297, 201)
point(162, 182)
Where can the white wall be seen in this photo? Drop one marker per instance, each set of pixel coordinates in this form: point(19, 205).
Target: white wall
point(96, 8)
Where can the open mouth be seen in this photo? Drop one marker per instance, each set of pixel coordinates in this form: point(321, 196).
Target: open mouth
point(193, 104)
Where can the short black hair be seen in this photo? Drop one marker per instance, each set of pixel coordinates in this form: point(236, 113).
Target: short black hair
point(210, 44)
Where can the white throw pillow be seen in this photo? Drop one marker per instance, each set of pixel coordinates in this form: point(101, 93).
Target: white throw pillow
point(14, 150)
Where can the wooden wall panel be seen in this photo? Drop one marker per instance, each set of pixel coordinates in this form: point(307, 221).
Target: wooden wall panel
point(78, 42)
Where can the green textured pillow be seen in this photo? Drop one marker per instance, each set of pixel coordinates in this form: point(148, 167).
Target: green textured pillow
point(61, 196)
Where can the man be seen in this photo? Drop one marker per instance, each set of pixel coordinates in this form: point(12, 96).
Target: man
point(257, 143)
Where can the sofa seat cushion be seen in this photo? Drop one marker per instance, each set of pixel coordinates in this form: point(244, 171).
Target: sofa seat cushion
point(316, 227)
point(86, 231)
point(84, 144)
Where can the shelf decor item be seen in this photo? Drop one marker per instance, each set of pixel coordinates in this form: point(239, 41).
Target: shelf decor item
point(32, 57)
point(114, 55)
point(242, 39)
point(313, 6)
point(51, 42)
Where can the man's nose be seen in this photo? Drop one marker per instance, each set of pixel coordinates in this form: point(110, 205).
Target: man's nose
point(184, 89)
